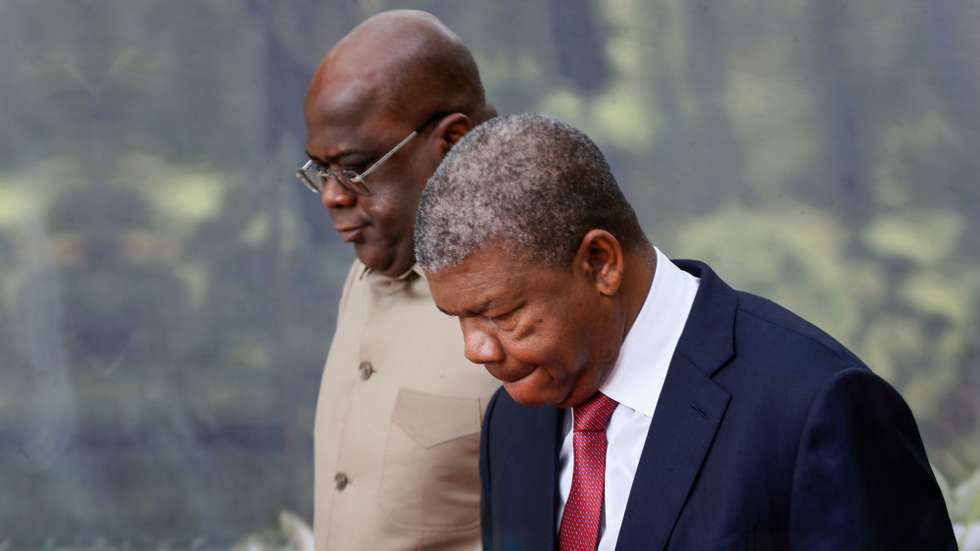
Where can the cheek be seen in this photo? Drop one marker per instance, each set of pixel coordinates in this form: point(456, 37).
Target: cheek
point(562, 334)
point(395, 201)
point(387, 214)
point(544, 342)
point(581, 333)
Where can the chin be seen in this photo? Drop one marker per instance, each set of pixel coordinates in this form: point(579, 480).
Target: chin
point(523, 398)
point(538, 389)
point(371, 257)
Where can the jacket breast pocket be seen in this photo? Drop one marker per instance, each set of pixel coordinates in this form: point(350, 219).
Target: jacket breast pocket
point(431, 476)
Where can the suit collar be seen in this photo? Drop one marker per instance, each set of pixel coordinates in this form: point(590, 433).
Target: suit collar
point(638, 375)
point(689, 411)
point(708, 340)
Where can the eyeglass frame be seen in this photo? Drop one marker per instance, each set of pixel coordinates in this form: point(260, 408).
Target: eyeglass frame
point(348, 179)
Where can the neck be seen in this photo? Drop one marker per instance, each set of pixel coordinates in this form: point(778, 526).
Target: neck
point(398, 267)
point(485, 113)
point(640, 269)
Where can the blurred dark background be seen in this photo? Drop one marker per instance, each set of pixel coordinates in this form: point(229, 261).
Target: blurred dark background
point(168, 291)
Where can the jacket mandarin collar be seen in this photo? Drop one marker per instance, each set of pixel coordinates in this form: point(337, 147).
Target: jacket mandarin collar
point(387, 285)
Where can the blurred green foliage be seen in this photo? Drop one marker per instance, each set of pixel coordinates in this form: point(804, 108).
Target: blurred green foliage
point(167, 292)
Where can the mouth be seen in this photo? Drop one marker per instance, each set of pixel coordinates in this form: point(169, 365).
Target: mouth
point(512, 375)
point(350, 233)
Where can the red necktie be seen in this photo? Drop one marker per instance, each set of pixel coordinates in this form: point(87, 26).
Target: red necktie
point(580, 522)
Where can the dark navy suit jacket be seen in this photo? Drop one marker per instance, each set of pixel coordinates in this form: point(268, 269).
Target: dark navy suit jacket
point(768, 434)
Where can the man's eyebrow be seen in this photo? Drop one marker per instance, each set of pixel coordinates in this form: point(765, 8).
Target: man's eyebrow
point(315, 158)
point(480, 309)
point(335, 158)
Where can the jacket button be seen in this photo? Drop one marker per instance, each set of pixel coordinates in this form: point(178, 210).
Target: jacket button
point(366, 370)
point(341, 481)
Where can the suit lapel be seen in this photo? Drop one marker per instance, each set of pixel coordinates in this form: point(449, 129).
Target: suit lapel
point(532, 480)
point(689, 411)
point(688, 414)
point(547, 472)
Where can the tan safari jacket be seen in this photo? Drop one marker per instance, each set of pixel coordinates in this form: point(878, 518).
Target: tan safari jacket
point(397, 423)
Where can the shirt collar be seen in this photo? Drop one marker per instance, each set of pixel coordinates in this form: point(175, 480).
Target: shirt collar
point(638, 376)
point(407, 275)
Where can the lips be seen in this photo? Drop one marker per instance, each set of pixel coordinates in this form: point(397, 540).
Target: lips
point(350, 233)
point(510, 375)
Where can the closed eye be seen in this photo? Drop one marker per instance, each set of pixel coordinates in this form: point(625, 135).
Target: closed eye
point(506, 318)
point(357, 168)
point(349, 170)
point(503, 317)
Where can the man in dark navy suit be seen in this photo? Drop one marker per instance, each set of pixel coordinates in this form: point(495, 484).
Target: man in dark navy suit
point(648, 405)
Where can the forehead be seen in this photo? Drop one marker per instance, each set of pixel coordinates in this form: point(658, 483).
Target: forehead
point(487, 279)
point(343, 114)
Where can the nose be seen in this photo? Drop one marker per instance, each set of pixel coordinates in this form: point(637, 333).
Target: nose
point(480, 346)
point(334, 196)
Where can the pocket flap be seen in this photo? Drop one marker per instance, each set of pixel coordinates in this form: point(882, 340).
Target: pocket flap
point(430, 419)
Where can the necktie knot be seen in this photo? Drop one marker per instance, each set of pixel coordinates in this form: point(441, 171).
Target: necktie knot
point(594, 414)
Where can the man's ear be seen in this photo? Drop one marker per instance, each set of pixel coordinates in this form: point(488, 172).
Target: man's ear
point(450, 130)
point(600, 260)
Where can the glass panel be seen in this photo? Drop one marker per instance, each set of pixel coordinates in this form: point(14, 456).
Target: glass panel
point(167, 291)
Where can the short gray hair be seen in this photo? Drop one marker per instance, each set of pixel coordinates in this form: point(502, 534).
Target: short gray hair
point(530, 182)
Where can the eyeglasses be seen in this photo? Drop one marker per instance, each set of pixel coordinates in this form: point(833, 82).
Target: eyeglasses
point(314, 176)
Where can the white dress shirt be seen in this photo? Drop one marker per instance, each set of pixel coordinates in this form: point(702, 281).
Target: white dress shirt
point(635, 382)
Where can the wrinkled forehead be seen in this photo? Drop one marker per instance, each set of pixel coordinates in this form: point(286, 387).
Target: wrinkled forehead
point(490, 277)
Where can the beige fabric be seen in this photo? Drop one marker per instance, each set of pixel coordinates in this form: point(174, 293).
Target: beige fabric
point(406, 437)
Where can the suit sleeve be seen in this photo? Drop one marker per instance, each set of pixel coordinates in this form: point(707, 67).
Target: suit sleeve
point(486, 523)
point(862, 479)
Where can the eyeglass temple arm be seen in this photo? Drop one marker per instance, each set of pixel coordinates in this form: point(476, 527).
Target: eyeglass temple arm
point(360, 177)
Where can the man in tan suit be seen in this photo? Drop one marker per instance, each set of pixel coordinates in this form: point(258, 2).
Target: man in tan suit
point(399, 411)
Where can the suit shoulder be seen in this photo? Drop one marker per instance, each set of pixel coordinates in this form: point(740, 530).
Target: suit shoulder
point(781, 363)
point(784, 335)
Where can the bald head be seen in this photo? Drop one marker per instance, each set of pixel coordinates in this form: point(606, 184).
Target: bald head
point(403, 63)
point(401, 89)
